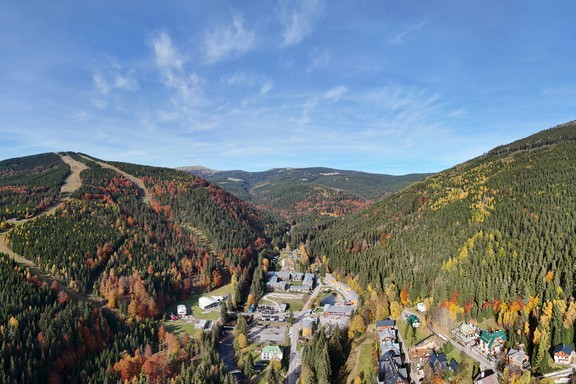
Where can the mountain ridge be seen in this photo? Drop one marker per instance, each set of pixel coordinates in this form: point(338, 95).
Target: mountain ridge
point(296, 192)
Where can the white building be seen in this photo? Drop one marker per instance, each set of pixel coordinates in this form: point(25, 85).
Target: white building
point(208, 302)
point(421, 307)
point(181, 310)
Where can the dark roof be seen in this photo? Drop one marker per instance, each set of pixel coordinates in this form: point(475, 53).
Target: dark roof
point(385, 323)
point(437, 361)
point(454, 365)
point(565, 348)
point(389, 372)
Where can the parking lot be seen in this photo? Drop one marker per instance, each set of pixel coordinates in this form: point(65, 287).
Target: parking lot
point(268, 334)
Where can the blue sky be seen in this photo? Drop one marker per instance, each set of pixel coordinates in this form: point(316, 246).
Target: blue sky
point(380, 86)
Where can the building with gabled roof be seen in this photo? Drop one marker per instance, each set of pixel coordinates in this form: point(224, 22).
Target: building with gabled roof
point(486, 377)
point(517, 358)
point(271, 352)
point(390, 370)
point(386, 323)
point(491, 342)
point(466, 332)
point(562, 354)
point(438, 361)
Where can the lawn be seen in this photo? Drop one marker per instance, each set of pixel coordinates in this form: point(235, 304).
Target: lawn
point(421, 332)
point(181, 326)
point(192, 302)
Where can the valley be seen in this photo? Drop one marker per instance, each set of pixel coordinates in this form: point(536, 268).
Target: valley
point(183, 269)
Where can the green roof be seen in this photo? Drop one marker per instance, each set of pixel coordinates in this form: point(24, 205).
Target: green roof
point(490, 337)
point(413, 319)
point(272, 349)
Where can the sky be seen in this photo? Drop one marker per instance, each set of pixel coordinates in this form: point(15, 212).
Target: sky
point(384, 86)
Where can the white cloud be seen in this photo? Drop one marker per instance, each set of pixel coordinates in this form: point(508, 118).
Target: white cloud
point(166, 55)
point(170, 62)
point(400, 38)
point(226, 41)
point(298, 20)
point(336, 93)
point(248, 80)
point(318, 59)
point(266, 87)
point(101, 83)
point(115, 78)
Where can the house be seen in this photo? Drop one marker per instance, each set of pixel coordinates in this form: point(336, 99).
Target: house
point(467, 333)
point(414, 321)
point(274, 283)
point(390, 370)
point(181, 310)
point(308, 282)
point(386, 323)
point(562, 354)
point(517, 358)
point(271, 352)
point(491, 342)
point(308, 326)
point(421, 307)
point(390, 346)
point(387, 334)
point(338, 310)
point(453, 365)
point(486, 377)
point(438, 361)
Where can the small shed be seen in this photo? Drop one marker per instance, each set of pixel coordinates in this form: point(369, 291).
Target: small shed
point(181, 310)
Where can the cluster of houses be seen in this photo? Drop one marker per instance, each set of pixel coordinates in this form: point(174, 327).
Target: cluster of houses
point(290, 281)
point(492, 344)
point(488, 343)
point(391, 368)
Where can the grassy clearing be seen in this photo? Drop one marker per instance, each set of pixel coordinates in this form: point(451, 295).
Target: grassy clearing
point(192, 302)
point(360, 359)
point(421, 332)
point(181, 326)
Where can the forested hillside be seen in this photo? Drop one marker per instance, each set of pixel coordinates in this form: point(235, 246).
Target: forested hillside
point(30, 184)
point(109, 241)
point(298, 192)
point(505, 221)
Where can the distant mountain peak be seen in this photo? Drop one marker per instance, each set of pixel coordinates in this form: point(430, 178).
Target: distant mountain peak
point(199, 170)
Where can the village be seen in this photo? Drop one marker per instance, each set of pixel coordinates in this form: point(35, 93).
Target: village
point(411, 348)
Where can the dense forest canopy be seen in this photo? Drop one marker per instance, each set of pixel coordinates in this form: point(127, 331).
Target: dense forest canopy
point(30, 184)
point(485, 221)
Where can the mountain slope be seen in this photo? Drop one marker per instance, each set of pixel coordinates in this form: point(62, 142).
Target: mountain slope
point(112, 236)
point(483, 221)
point(300, 191)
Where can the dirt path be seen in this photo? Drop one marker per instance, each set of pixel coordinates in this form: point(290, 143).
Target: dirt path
point(143, 191)
point(202, 239)
point(71, 184)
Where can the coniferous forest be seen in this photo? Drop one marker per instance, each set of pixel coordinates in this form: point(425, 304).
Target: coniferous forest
point(492, 238)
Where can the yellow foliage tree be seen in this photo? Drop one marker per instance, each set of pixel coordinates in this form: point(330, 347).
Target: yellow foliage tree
point(356, 326)
point(242, 341)
point(13, 322)
point(395, 309)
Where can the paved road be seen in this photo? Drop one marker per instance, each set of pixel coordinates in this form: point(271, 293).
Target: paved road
point(295, 367)
point(484, 362)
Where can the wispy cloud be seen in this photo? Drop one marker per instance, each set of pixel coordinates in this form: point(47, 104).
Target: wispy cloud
point(298, 19)
point(319, 59)
point(248, 80)
point(230, 40)
point(401, 37)
point(336, 93)
point(170, 62)
point(115, 79)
